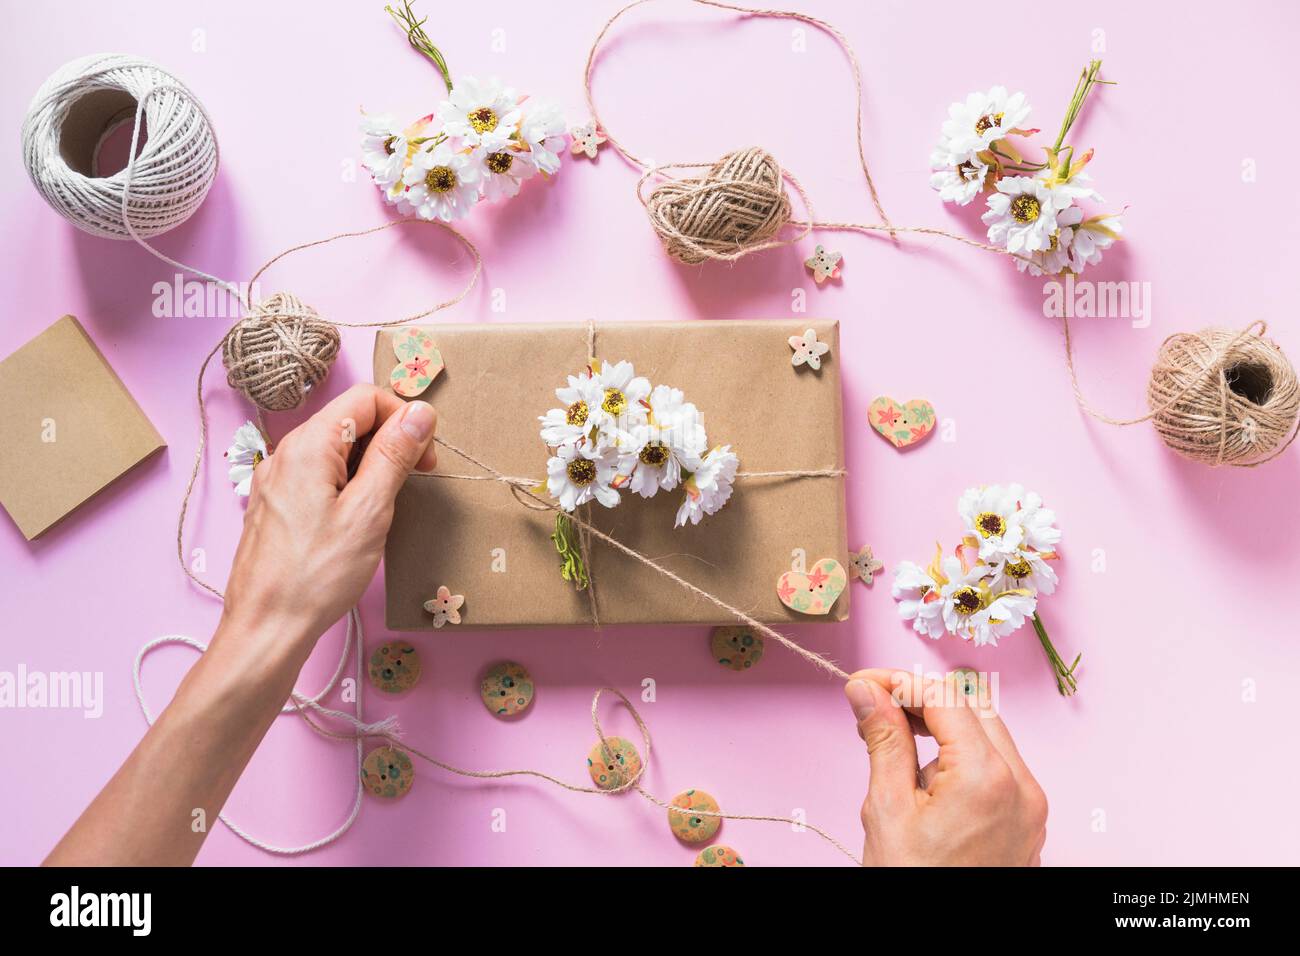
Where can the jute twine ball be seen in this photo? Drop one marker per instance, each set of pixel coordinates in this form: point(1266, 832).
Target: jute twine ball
point(1232, 396)
point(740, 203)
point(279, 352)
point(76, 110)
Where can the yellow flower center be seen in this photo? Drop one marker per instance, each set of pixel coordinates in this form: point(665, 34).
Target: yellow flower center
point(484, 119)
point(966, 600)
point(576, 413)
point(1025, 208)
point(441, 179)
point(989, 524)
point(257, 458)
point(653, 454)
point(1019, 569)
point(500, 163)
point(615, 401)
point(582, 471)
point(388, 145)
point(987, 122)
point(967, 171)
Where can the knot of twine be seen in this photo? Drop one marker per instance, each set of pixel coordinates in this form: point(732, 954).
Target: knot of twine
point(1224, 396)
point(279, 352)
point(738, 205)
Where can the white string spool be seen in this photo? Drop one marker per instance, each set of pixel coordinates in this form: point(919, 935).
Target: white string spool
point(79, 106)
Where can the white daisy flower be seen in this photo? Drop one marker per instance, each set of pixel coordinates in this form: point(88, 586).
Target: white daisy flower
point(1039, 523)
point(543, 129)
point(506, 165)
point(580, 472)
point(1092, 238)
point(1002, 614)
point(673, 435)
point(246, 452)
point(441, 183)
point(1023, 214)
point(1056, 258)
point(961, 593)
point(958, 179)
point(983, 119)
point(574, 421)
point(709, 485)
point(1024, 569)
point(383, 148)
point(624, 395)
point(479, 108)
point(919, 599)
point(991, 515)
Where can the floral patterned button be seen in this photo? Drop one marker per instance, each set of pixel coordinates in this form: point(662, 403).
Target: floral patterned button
point(719, 856)
point(394, 667)
point(737, 647)
point(387, 772)
point(507, 689)
point(690, 826)
point(613, 763)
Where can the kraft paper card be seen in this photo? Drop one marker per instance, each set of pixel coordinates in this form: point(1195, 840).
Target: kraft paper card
point(68, 427)
point(475, 538)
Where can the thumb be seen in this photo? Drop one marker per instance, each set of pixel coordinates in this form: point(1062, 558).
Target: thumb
point(883, 725)
point(394, 451)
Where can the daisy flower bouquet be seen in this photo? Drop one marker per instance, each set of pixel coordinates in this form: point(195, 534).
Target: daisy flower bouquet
point(1034, 209)
point(480, 144)
point(615, 433)
point(990, 585)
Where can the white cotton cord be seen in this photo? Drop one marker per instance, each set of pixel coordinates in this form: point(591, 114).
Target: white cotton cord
point(76, 109)
point(299, 704)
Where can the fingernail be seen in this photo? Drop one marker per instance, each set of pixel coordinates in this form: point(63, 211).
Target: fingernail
point(417, 420)
point(860, 698)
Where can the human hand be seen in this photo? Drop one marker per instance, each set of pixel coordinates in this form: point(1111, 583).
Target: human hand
point(976, 804)
point(312, 539)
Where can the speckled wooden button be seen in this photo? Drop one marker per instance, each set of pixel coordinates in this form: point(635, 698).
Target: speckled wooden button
point(614, 763)
point(736, 646)
point(507, 689)
point(719, 856)
point(689, 826)
point(387, 772)
point(394, 667)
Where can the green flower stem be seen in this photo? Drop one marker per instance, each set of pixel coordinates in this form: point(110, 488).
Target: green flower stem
point(572, 567)
point(1065, 679)
point(418, 39)
point(1087, 80)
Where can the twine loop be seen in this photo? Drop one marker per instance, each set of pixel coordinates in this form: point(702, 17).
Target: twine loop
point(279, 352)
point(738, 205)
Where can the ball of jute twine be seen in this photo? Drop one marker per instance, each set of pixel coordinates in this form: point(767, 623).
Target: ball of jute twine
point(1218, 396)
point(279, 352)
point(75, 111)
point(1224, 396)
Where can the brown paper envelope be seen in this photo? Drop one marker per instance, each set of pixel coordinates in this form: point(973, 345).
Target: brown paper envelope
point(59, 386)
point(497, 381)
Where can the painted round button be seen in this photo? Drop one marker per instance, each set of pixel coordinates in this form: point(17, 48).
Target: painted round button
point(737, 647)
point(507, 689)
point(387, 772)
point(690, 826)
point(967, 680)
point(394, 667)
point(614, 763)
point(719, 856)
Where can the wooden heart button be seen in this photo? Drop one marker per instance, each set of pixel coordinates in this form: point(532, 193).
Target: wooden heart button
point(814, 592)
point(904, 424)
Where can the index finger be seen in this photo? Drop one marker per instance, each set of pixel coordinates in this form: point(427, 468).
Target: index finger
point(949, 718)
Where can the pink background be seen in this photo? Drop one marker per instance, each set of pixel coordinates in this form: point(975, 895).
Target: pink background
point(1200, 564)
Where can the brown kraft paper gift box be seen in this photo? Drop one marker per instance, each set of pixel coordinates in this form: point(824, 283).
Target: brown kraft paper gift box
point(499, 378)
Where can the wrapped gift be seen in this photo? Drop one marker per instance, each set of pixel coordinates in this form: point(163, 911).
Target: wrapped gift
point(463, 529)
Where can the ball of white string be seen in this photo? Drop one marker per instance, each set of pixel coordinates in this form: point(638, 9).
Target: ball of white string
point(77, 108)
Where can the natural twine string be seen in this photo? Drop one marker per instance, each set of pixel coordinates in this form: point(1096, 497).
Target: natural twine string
point(1217, 396)
point(740, 205)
